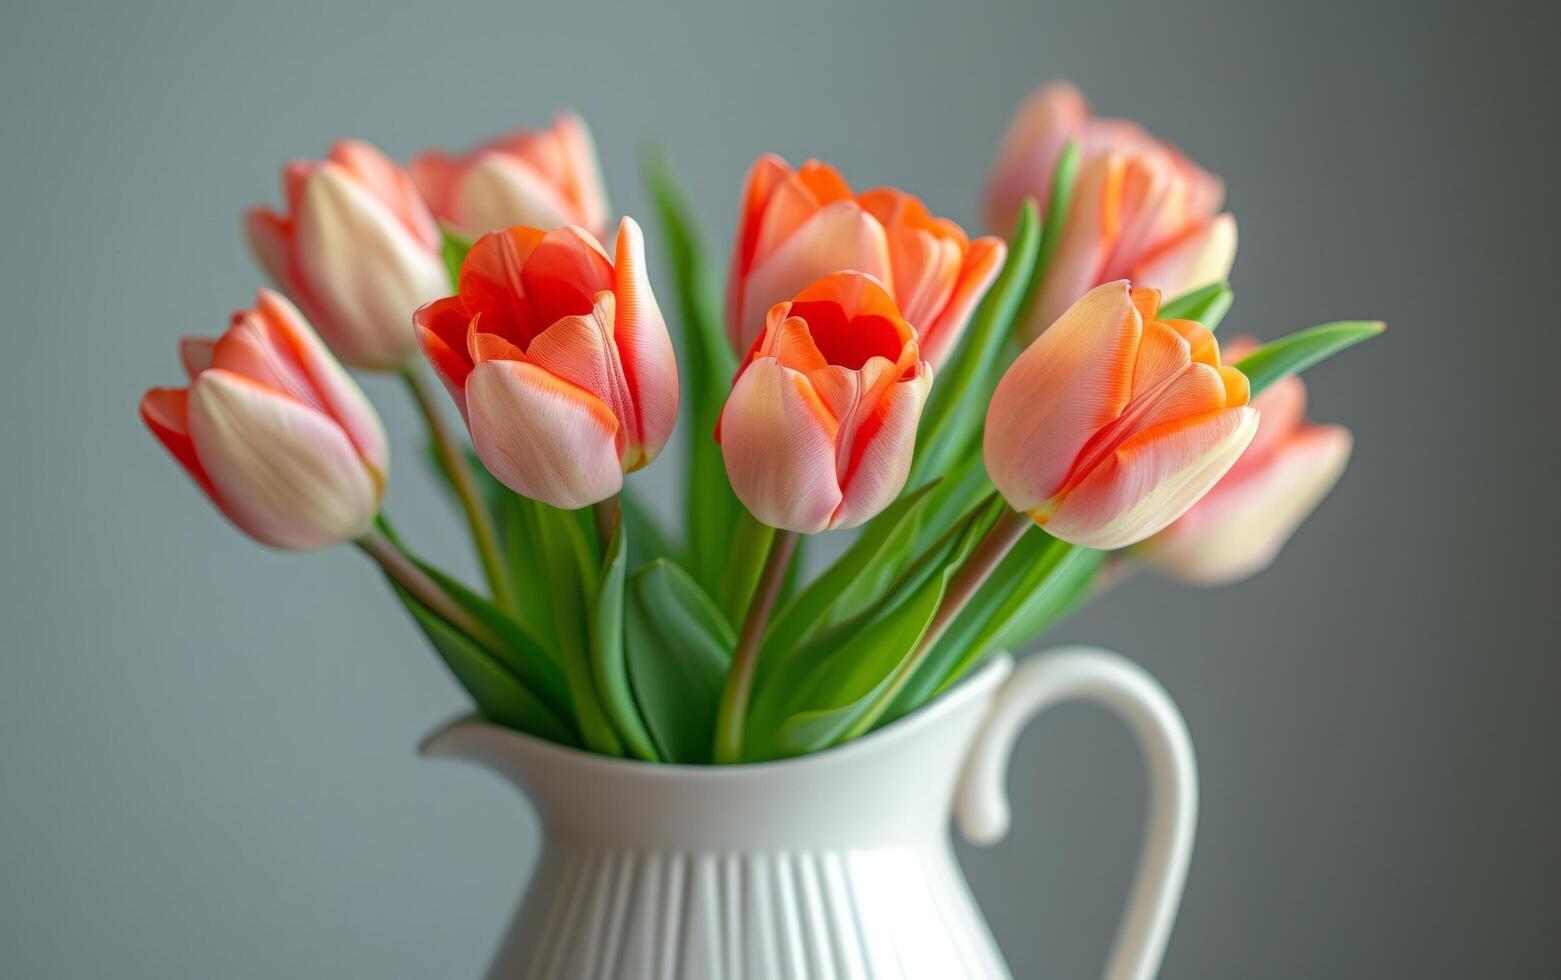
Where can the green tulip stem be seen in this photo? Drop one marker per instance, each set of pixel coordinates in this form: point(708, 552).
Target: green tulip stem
point(983, 560)
point(478, 517)
point(732, 715)
point(422, 587)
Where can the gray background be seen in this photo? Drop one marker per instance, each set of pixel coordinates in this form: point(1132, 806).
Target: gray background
point(206, 749)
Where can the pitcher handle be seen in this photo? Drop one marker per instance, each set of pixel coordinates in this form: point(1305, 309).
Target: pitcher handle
point(1087, 674)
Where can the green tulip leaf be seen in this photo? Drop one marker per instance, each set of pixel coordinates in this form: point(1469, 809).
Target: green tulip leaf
point(747, 554)
point(839, 697)
point(554, 570)
point(1207, 306)
point(1030, 590)
point(608, 664)
point(850, 584)
point(453, 249)
point(679, 648)
point(957, 405)
point(1299, 351)
point(499, 695)
point(1060, 198)
point(708, 368)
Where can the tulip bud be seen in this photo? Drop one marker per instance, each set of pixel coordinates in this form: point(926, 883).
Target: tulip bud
point(1239, 527)
point(274, 431)
point(538, 179)
point(1139, 211)
point(797, 227)
point(1111, 424)
point(357, 250)
point(820, 426)
point(558, 358)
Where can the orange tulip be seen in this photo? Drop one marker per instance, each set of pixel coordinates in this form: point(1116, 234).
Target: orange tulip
point(797, 226)
point(1111, 424)
point(274, 431)
point(356, 249)
point(821, 422)
point(1140, 210)
point(558, 358)
point(1239, 528)
point(538, 179)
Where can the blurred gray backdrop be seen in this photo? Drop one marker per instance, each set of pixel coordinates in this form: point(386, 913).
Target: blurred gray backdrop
point(207, 750)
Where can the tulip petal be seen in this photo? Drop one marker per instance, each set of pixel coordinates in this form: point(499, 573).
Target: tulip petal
point(580, 350)
point(564, 274)
point(341, 396)
point(1239, 528)
point(1071, 382)
point(778, 441)
point(442, 329)
point(393, 187)
point(285, 473)
point(983, 262)
point(926, 270)
point(195, 354)
point(1201, 256)
point(541, 436)
point(582, 173)
point(1151, 480)
point(438, 178)
point(1088, 234)
point(166, 413)
point(882, 448)
point(649, 364)
point(363, 269)
point(838, 237)
point(499, 191)
point(1027, 156)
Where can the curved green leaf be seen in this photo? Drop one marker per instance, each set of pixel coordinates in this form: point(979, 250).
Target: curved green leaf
point(957, 406)
point(1208, 305)
point(679, 648)
point(1299, 351)
point(1058, 200)
point(498, 694)
point(453, 249)
point(554, 572)
point(607, 656)
point(853, 581)
point(708, 365)
point(868, 659)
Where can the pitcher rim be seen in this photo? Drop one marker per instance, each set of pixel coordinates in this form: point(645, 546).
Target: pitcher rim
point(988, 676)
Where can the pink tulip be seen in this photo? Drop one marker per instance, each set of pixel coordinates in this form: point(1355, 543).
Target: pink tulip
point(539, 179)
point(559, 359)
point(821, 422)
point(797, 226)
point(1140, 210)
point(274, 431)
point(1238, 529)
point(1111, 424)
point(357, 250)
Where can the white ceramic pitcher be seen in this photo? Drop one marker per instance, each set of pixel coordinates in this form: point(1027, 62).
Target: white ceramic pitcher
point(834, 865)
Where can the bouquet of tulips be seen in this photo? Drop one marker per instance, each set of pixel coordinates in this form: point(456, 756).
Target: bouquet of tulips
point(1008, 422)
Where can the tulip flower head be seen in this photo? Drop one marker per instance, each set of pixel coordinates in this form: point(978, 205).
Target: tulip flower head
point(798, 226)
point(274, 430)
point(558, 358)
point(356, 250)
point(538, 179)
point(820, 426)
point(1111, 424)
point(1140, 209)
point(1239, 527)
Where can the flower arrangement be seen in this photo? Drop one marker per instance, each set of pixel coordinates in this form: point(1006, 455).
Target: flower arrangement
point(1007, 422)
